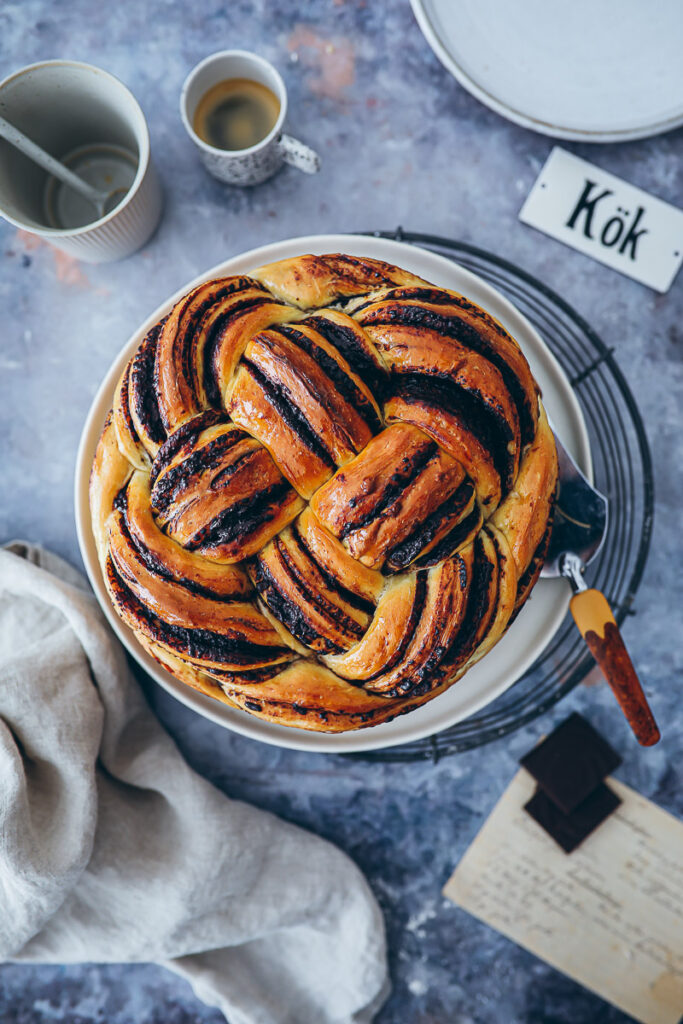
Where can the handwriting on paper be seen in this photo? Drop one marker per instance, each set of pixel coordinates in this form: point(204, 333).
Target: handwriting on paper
point(610, 915)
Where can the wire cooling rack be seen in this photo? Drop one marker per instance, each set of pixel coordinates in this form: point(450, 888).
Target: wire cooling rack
point(623, 472)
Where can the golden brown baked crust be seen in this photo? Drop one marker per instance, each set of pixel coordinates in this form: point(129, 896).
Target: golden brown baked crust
point(323, 491)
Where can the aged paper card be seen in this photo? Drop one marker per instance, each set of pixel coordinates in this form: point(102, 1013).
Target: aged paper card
point(609, 915)
point(606, 218)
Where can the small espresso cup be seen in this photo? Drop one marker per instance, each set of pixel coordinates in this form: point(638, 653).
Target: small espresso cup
point(66, 106)
point(259, 162)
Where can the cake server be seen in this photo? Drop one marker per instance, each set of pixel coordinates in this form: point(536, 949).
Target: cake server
point(579, 528)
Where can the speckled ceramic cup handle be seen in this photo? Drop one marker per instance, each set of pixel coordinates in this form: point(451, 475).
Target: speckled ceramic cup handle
point(298, 155)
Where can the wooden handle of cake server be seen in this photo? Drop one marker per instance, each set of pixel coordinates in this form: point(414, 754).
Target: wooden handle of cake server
point(593, 615)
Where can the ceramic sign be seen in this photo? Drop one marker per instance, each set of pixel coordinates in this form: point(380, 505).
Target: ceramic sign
point(606, 218)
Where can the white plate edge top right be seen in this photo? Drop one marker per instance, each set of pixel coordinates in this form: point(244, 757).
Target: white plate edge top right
point(590, 72)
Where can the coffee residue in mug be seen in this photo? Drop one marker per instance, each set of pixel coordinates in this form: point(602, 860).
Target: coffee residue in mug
point(236, 114)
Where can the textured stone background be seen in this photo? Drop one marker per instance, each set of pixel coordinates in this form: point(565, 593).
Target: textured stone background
point(401, 143)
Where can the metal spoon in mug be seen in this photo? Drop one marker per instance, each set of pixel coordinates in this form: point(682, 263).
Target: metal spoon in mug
point(104, 202)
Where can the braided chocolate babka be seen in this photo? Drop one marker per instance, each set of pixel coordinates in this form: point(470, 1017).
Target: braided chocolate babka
point(324, 490)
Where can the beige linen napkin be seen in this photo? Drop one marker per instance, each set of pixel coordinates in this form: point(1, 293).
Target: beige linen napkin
point(112, 849)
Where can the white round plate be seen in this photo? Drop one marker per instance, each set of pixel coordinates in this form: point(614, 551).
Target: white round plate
point(540, 617)
point(596, 72)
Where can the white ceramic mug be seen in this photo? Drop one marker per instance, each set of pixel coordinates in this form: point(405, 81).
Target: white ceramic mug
point(257, 163)
point(61, 105)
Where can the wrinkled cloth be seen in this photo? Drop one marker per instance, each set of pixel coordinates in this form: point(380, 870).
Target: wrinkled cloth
point(112, 849)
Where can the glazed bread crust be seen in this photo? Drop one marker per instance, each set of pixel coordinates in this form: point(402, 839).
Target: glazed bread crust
point(324, 490)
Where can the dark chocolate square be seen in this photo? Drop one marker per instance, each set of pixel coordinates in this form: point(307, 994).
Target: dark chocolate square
point(570, 830)
point(570, 763)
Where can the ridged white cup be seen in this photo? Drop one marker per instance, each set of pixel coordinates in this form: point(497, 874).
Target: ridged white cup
point(76, 104)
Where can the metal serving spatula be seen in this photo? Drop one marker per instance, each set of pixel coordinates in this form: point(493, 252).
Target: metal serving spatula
point(579, 527)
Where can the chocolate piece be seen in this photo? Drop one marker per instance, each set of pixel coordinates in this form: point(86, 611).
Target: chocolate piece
point(570, 830)
point(570, 763)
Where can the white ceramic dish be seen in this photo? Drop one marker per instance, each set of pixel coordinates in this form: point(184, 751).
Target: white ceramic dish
point(65, 105)
point(540, 617)
point(595, 72)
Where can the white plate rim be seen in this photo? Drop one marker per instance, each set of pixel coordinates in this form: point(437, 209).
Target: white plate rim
point(643, 131)
point(370, 738)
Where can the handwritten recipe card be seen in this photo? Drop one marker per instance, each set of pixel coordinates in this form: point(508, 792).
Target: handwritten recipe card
point(609, 915)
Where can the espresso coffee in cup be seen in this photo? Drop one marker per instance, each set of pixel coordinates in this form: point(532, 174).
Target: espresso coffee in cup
point(233, 106)
point(236, 113)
